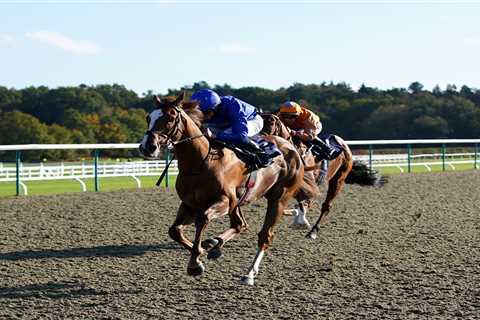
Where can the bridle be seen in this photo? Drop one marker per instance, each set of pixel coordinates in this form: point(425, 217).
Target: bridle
point(173, 131)
point(169, 139)
point(278, 128)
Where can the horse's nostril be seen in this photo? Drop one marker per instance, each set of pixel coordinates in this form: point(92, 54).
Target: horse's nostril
point(151, 148)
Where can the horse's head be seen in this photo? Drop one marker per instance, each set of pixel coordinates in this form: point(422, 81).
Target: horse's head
point(269, 124)
point(164, 125)
point(272, 125)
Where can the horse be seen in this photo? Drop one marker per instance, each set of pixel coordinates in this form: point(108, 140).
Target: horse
point(212, 182)
point(336, 175)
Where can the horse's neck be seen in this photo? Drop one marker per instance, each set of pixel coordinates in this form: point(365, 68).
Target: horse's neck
point(284, 133)
point(191, 154)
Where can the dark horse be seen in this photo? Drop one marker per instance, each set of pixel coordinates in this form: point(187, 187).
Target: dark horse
point(214, 183)
point(337, 173)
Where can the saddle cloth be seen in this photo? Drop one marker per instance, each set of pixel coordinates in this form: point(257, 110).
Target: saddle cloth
point(331, 141)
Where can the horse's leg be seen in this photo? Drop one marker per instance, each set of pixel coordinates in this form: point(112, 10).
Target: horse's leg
point(335, 185)
point(218, 209)
point(308, 191)
point(274, 213)
point(300, 219)
point(237, 225)
point(185, 216)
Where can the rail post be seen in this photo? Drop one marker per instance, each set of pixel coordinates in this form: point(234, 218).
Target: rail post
point(370, 154)
point(444, 150)
point(167, 160)
point(18, 156)
point(475, 156)
point(409, 157)
point(96, 154)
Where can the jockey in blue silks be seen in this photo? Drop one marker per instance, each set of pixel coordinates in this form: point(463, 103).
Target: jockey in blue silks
point(233, 121)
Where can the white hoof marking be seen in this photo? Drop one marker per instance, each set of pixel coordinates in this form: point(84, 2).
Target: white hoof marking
point(247, 280)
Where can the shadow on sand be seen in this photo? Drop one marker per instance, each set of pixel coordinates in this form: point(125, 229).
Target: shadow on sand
point(119, 251)
point(54, 290)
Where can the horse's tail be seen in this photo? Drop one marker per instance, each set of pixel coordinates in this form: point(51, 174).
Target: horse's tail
point(361, 174)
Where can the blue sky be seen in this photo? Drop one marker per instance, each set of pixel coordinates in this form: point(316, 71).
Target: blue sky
point(271, 44)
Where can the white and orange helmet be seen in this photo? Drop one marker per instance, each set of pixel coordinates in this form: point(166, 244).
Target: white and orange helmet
point(290, 108)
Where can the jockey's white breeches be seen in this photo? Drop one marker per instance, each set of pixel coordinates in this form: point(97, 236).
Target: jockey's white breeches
point(254, 127)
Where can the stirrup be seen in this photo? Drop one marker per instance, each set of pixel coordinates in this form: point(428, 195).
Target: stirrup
point(262, 160)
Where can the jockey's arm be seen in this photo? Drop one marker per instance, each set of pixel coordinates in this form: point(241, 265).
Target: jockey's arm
point(304, 134)
point(312, 127)
point(238, 122)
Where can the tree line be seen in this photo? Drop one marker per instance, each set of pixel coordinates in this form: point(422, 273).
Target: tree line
point(115, 114)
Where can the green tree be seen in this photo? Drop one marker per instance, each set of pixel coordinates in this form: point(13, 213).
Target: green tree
point(429, 127)
point(9, 99)
point(388, 122)
point(20, 128)
point(60, 135)
point(415, 87)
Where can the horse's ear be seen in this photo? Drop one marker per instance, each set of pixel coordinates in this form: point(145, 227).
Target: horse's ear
point(180, 98)
point(157, 101)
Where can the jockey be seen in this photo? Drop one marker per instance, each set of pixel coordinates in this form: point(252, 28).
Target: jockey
point(233, 121)
point(305, 125)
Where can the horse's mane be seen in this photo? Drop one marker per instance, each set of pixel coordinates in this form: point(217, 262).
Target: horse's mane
point(279, 129)
point(192, 110)
point(282, 128)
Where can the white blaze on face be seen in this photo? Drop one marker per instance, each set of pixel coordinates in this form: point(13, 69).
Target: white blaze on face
point(154, 116)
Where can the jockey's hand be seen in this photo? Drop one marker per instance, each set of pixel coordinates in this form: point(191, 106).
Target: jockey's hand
point(295, 133)
point(304, 136)
point(300, 134)
point(208, 133)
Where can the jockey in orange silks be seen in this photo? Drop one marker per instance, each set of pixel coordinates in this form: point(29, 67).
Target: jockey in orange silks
point(305, 125)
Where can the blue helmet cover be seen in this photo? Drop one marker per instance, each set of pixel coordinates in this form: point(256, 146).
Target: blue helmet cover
point(207, 99)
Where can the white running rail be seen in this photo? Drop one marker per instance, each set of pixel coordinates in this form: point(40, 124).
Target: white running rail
point(36, 172)
point(136, 169)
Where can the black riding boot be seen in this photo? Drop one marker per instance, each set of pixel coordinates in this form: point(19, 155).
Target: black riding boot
point(322, 150)
point(260, 158)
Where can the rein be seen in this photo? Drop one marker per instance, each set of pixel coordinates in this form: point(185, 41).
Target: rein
point(187, 139)
point(164, 173)
point(279, 128)
point(174, 143)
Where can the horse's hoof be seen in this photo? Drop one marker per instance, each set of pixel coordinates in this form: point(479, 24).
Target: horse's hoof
point(214, 254)
point(208, 244)
point(311, 236)
point(246, 280)
point(197, 271)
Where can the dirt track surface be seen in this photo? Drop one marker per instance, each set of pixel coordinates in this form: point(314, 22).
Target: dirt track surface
point(410, 250)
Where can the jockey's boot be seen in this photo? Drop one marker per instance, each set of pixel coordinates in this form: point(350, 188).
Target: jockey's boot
point(260, 158)
point(322, 150)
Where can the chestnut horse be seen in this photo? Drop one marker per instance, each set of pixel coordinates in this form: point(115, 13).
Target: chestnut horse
point(337, 172)
point(213, 183)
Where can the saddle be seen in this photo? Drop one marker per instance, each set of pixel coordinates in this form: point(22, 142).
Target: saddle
point(256, 154)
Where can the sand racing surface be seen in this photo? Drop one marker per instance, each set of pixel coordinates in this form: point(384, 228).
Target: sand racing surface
point(409, 250)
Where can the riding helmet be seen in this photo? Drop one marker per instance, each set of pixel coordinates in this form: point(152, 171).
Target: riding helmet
point(290, 108)
point(207, 99)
